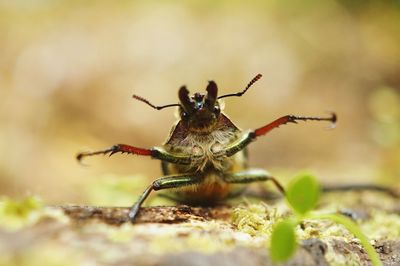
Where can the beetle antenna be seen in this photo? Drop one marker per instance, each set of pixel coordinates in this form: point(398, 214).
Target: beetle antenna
point(238, 94)
point(152, 105)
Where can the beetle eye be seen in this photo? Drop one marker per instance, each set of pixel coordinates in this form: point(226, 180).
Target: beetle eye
point(184, 115)
point(217, 110)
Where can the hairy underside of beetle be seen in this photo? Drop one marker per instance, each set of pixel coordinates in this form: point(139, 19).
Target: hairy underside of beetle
point(209, 162)
point(206, 150)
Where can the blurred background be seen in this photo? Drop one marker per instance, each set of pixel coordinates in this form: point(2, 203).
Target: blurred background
point(68, 70)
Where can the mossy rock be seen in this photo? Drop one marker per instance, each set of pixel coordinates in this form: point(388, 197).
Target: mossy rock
point(184, 235)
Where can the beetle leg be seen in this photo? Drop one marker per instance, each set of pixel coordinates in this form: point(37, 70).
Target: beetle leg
point(253, 134)
point(252, 175)
point(155, 152)
point(172, 181)
point(291, 119)
point(362, 187)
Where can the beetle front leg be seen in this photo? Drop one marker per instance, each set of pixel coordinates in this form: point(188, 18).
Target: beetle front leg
point(173, 181)
point(247, 138)
point(252, 175)
point(155, 152)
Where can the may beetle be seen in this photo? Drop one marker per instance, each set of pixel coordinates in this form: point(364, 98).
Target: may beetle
point(205, 153)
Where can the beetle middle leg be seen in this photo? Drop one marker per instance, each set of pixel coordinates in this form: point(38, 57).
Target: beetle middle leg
point(172, 181)
point(252, 175)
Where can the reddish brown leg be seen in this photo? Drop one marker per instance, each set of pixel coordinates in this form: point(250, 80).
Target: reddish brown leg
point(122, 148)
point(291, 119)
point(156, 153)
point(250, 136)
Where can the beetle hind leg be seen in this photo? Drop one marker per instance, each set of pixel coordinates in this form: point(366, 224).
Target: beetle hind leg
point(252, 175)
point(172, 181)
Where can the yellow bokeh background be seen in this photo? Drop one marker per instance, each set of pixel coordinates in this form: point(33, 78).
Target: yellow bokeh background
point(68, 70)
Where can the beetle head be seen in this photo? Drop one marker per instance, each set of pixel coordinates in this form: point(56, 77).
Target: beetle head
point(200, 111)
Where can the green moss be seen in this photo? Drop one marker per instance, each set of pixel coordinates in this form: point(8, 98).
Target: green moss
point(17, 214)
point(256, 219)
point(382, 225)
point(322, 229)
point(20, 208)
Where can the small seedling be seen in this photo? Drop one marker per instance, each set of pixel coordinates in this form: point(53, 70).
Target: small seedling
point(302, 195)
point(283, 241)
point(205, 155)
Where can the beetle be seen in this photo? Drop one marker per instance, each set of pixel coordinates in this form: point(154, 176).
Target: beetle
point(205, 154)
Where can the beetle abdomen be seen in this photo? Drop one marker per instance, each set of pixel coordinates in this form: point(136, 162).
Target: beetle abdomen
point(211, 190)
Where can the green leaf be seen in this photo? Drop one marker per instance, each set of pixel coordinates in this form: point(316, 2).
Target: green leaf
point(303, 193)
point(283, 241)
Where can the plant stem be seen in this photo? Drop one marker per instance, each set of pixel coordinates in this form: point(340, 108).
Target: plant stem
point(355, 230)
